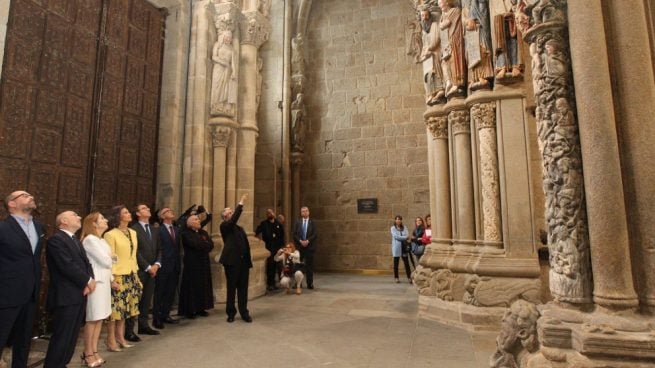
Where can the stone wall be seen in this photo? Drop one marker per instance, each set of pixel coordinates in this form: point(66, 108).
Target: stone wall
point(4, 16)
point(365, 134)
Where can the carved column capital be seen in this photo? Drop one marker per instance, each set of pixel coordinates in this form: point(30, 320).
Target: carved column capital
point(255, 29)
point(297, 159)
point(227, 15)
point(438, 126)
point(459, 121)
point(484, 115)
point(220, 135)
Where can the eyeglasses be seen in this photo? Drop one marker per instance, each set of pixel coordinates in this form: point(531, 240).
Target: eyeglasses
point(26, 195)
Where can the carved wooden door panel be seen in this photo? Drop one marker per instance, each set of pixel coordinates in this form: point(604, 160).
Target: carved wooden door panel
point(46, 101)
point(79, 100)
point(131, 49)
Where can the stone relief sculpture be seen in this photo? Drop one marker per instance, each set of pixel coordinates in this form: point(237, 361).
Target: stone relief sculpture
point(224, 76)
point(452, 48)
point(509, 46)
point(260, 66)
point(264, 7)
point(298, 123)
point(494, 292)
point(298, 55)
point(517, 342)
point(413, 39)
point(430, 58)
point(477, 33)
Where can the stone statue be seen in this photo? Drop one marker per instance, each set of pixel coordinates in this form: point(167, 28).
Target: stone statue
point(265, 7)
point(224, 77)
point(298, 123)
point(260, 66)
point(517, 341)
point(451, 33)
point(298, 55)
point(477, 33)
point(413, 39)
point(509, 66)
point(430, 57)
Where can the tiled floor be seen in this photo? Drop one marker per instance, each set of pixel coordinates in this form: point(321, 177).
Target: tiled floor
point(348, 321)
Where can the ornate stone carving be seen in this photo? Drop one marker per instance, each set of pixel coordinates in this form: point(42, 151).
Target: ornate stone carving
point(441, 284)
point(298, 127)
point(260, 79)
point(452, 48)
point(459, 121)
point(413, 39)
point(477, 34)
point(484, 118)
point(508, 37)
point(264, 7)
point(224, 76)
point(430, 57)
point(255, 29)
point(498, 292)
point(298, 55)
point(558, 141)
point(221, 135)
point(438, 127)
point(517, 342)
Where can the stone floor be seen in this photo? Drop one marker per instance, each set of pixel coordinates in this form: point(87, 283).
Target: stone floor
point(348, 321)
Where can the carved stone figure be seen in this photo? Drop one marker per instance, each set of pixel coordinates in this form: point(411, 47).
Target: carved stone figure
point(451, 33)
point(509, 67)
point(497, 292)
point(430, 56)
point(517, 341)
point(265, 7)
point(413, 39)
point(442, 284)
point(477, 33)
point(298, 123)
point(224, 82)
point(298, 54)
point(260, 79)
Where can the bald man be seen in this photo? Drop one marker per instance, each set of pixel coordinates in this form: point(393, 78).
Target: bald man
point(21, 241)
point(71, 280)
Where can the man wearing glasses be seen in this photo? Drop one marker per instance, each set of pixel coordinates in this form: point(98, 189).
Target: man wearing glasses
point(21, 241)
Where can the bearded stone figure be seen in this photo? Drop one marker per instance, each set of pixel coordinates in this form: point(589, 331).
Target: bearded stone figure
point(451, 34)
point(224, 84)
point(517, 341)
point(430, 56)
point(477, 33)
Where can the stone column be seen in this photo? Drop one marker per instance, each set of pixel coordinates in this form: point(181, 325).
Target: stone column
point(296, 164)
point(442, 231)
point(221, 132)
point(608, 227)
point(559, 144)
point(484, 120)
point(255, 30)
point(460, 127)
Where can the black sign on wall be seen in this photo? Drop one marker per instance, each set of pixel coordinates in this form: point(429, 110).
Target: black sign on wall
point(367, 205)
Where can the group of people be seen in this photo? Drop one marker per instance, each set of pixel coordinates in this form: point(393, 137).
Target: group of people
point(293, 261)
point(406, 245)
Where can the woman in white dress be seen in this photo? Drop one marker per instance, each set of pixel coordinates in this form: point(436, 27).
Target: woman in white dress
point(98, 306)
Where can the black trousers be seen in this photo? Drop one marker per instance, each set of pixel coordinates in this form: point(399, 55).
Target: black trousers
point(237, 285)
point(395, 266)
point(271, 269)
point(165, 289)
point(66, 324)
point(308, 258)
point(17, 322)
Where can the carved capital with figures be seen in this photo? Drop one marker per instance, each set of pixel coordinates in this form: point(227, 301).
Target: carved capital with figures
point(255, 29)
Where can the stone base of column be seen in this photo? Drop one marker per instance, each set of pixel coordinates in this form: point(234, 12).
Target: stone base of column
point(460, 315)
point(257, 278)
point(598, 339)
point(483, 261)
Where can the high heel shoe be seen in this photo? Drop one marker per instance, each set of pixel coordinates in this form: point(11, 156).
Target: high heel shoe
point(99, 358)
point(124, 345)
point(113, 349)
point(86, 363)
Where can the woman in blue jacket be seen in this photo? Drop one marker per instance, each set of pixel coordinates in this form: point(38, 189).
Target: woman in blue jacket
point(399, 237)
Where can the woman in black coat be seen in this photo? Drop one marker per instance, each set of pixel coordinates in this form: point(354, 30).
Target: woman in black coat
point(196, 291)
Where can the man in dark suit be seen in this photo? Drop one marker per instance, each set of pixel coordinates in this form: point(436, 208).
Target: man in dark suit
point(236, 261)
point(272, 233)
point(21, 241)
point(168, 275)
point(304, 236)
point(148, 255)
point(71, 280)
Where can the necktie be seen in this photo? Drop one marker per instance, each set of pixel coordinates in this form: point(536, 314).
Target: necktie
point(304, 229)
point(148, 231)
point(172, 232)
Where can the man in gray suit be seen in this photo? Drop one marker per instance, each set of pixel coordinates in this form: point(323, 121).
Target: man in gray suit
point(148, 256)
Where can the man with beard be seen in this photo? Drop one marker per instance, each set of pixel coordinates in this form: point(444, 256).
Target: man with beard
point(272, 233)
point(430, 57)
point(21, 241)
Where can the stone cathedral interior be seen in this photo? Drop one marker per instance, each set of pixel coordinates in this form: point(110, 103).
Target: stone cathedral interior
point(523, 127)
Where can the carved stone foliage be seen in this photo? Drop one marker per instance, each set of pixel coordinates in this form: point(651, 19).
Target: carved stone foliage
point(559, 144)
point(484, 118)
point(459, 121)
point(517, 342)
point(497, 292)
point(438, 127)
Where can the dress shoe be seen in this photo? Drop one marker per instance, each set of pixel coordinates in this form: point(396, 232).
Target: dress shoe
point(125, 345)
point(270, 288)
point(113, 349)
point(148, 331)
point(230, 319)
point(310, 287)
point(158, 324)
point(171, 320)
point(247, 319)
point(132, 337)
point(190, 316)
point(203, 314)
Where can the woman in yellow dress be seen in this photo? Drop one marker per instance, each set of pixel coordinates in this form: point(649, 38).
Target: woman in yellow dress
point(125, 299)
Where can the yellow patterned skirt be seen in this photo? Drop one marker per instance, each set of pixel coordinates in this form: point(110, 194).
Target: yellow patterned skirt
point(125, 300)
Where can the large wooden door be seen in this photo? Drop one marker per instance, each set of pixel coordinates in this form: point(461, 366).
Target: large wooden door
point(79, 103)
